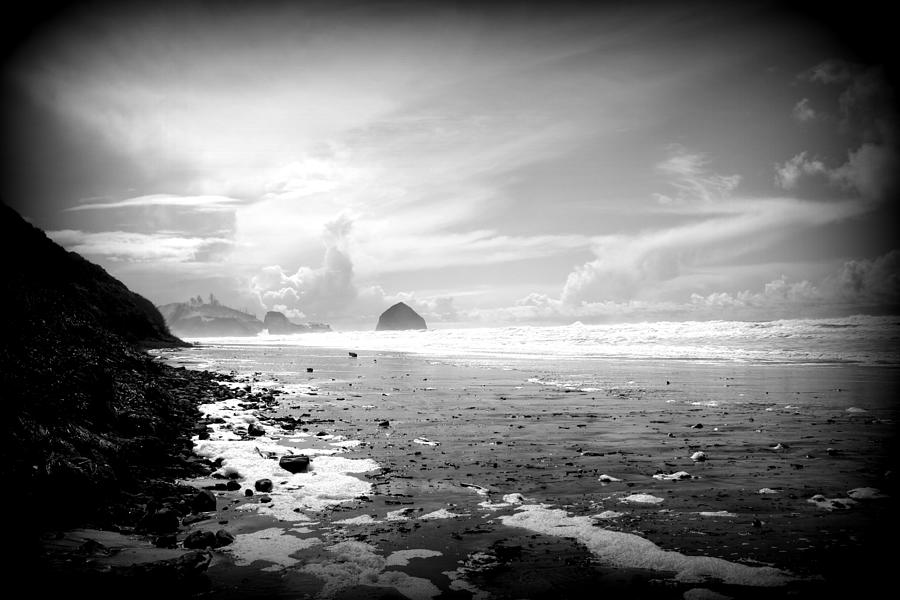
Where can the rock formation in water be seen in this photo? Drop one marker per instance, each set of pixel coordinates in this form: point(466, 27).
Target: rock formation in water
point(278, 324)
point(400, 316)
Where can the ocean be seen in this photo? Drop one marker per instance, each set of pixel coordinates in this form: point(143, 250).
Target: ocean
point(863, 340)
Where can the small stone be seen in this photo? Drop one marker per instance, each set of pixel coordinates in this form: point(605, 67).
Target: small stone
point(352, 354)
point(384, 424)
point(232, 486)
point(698, 456)
point(309, 369)
point(697, 426)
point(255, 430)
point(264, 499)
point(164, 520)
point(295, 463)
point(248, 492)
point(263, 485)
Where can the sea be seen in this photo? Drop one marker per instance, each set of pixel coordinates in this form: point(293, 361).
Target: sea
point(862, 340)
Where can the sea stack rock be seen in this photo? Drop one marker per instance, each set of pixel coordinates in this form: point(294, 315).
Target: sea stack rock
point(400, 316)
point(278, 324)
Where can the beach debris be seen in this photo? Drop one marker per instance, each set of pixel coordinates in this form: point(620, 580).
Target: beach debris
point(608, 478)
point(384, 423)
point(255, 430)
point(832, 451)
point(268, 454)
point(866, 493)
point(698, 456)
point(642, 499)
point(481, 491)
point(757, 523)
point(425, 442)
point(856, 409)
point(780, 446)
point(832, 503)
point(352, 354)
point(263, 485)
point(697, 426)
point(673, 476)
point(295, 463)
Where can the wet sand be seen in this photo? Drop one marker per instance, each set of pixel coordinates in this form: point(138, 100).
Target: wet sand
point(794, 431)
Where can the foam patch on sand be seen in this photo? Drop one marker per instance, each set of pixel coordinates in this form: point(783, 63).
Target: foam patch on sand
point(401, 558)
point(832, 503)
point(272, 545)
point(673, 476)
point(716, 513)
point(767, 491)
point(328, 481)
point(626, 550)
point(508, 500)
point(608, 514)
point(401, 514)
point(642, 499)
point(352, 563)
point(607, 479)
point(360, 520)
point(441, 513)
point(866, 493)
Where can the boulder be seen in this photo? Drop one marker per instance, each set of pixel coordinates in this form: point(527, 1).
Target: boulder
point(398, 317)
point(295, 463)
point(203, 501)
point(223, 538)
point(197, 540)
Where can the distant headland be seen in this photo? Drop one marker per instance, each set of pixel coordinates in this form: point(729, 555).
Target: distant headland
point(196, 318)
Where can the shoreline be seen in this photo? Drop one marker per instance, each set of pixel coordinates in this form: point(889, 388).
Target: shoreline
point(339, 413)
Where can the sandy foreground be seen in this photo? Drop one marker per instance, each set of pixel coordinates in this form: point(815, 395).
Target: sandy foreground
point(438, 479)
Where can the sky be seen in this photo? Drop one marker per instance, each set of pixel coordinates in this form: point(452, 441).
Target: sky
point(486, 163)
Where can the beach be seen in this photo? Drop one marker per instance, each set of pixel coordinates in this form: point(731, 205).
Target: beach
point(455, 478)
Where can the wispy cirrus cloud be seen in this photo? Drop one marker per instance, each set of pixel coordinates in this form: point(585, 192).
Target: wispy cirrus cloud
point(123, 246)
point(199, 203)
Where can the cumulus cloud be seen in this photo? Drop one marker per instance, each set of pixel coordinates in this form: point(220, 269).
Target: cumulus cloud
point(803, 112)
point(122, 246)
point(318, 292)
point(867, 116)
point(788, 175)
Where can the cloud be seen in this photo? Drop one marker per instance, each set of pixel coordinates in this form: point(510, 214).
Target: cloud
point(803, 112)
point(200, 203)
point(122, 246)
point(692, 180)
point(789, 174)
point(868, 115)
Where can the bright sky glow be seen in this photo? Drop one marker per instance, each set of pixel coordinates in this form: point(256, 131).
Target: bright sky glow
point(519, 162)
